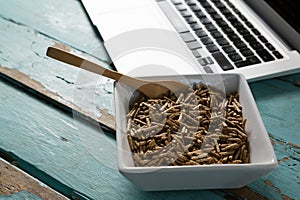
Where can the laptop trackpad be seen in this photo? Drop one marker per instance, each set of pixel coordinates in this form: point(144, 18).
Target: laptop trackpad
point(148, 52)
point(132, 15)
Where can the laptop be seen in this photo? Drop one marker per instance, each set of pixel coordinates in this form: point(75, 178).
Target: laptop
point(257, 38)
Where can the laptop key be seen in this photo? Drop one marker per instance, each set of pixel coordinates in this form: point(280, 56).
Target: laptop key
point(180, 7)
point(219, 5)
point(265, 55)
point(243, 31)
point(206, 40)
point(216, 34)
point(255, 31)
point(202, 61)
point(246, 52)
point(222, 41)
point(175, 2)
point(212, 48)
point(187, 37)
point(241, 64)
point(200, 14)
point(236, 11)
point(201, 33)
point(250, 38)
point(208, 70)
point(209, 60)
point(230, 4)
point(253, 60)
point(240, 44)
point(210, 27)
point(242, 17)
point(194, 45)
point(234, 57)
point(222, 23)
point(249, 61)
point(228, 49)
point(190, 20)
point(185, 13)
point(222, 61)
point(197, 53)
point(195, 26)
point(211, 11)
point(205, 20)
point(277, 54)
point(216, 17)
point(237, 24)
point(232, 18)
point(270, 47)
point(263, 39)
point(227, 30)
point(195, 8)
point(190, 2)
point(233, 37)
point(256, 46)
point(225, 11)
point(205, 4)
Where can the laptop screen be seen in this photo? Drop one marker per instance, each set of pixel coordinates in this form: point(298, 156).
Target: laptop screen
point(288, 10)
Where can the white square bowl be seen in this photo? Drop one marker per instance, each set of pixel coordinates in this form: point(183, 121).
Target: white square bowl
point(215, 176)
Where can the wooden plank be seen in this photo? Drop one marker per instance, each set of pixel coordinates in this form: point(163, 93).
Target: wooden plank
point(278, 103)
point(12, 181)
point(65, 153)
point(284, 182)
point(20, 195)
point(57, 20)
point(57, 84)
point(106, 120)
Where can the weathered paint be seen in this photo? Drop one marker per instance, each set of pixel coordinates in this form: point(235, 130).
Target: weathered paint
point(16, 77)
point(20, 195)
point(285, 180)
point(76, 154)
point(62, 80)
point(57, 20)
point(279, 105)
point(13, 181)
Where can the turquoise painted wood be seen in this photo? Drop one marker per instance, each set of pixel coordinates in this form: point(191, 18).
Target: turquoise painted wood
point(75, 158)
point(19, 196)
point(278, 101)
point(61, 16)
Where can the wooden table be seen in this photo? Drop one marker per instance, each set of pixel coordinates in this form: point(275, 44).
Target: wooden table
point(42, 136)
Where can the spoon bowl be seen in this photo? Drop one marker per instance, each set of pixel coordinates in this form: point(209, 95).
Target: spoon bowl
point(150, 89)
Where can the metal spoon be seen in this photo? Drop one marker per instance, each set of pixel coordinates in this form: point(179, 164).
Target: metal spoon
point(150, 89)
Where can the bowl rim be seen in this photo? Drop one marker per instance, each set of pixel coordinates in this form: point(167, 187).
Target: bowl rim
point(272, 164)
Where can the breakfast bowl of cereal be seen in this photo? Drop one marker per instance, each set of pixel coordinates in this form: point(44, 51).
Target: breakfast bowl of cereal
point(209, 136)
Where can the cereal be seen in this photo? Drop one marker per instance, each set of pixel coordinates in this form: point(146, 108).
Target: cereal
point(199, 127)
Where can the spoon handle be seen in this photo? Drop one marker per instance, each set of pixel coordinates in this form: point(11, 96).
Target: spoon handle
point(76, 61)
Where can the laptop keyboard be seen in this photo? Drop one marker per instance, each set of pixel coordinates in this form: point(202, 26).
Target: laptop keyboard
point(226, 33)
